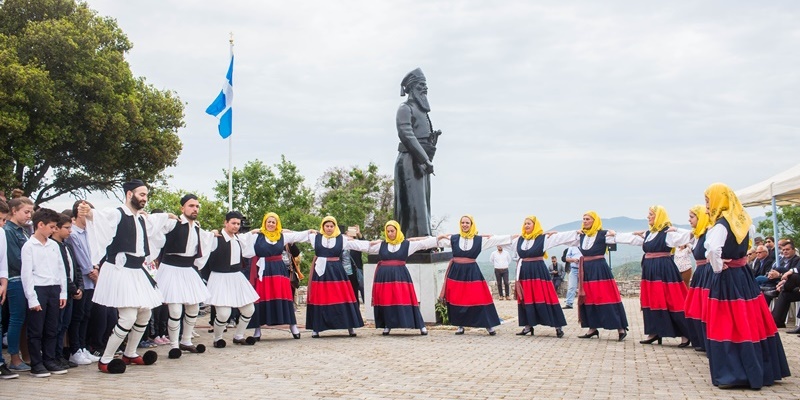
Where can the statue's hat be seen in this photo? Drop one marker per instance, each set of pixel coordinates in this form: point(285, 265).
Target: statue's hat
point(411, 78)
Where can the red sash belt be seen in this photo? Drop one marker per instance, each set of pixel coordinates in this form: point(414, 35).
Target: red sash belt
point(391, 263)
point(581, 293)
point(454, 260)
point(273, 258)
point(533, 259)
point(701, 262)
point(737, 263)
point(657, 255)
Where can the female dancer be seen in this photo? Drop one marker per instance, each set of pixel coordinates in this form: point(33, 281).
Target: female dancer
point(269, 276)
point(697, 296)
point(393, 297)
point(469, 302)
point(663, 293)
point(744, 348)
point(537, 301)
point(599, 303)
point(331, 302)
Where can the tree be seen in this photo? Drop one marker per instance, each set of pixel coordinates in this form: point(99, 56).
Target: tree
point(258, 189)
point(358, 197)
point(788, 223)
point(211, 215)
point(73, 118)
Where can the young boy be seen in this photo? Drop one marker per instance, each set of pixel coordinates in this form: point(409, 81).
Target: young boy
point(45, 285)
point(74, 292)
point(5, 373)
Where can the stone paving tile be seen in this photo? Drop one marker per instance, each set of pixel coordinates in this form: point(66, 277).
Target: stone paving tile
point(405, 364)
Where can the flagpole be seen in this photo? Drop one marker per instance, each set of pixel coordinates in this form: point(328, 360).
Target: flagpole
point(230, 154)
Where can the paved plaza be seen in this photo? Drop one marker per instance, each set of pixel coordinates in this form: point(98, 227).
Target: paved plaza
point(407, 365)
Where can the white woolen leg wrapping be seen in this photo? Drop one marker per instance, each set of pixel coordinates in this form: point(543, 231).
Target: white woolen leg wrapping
point(127, 317)
point(245, 313)
point(223, 313)
point(174, 324)
point(137, 331)
point(189, 321)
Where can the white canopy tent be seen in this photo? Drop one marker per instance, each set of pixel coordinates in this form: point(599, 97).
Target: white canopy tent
point(782, 189)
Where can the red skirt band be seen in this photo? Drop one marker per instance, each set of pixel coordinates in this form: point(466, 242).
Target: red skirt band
point(323, 293)
point(390, 263)
point(466, 294)
point(657, 255)
point(454, 260)
point(533, 259)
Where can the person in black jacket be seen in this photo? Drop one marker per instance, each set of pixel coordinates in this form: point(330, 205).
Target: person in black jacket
point(356, 263)
point(74, 293)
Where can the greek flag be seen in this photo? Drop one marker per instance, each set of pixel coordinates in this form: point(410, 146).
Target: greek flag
point(222, 106)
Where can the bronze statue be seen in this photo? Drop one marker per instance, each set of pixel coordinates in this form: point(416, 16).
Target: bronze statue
point(412, 186)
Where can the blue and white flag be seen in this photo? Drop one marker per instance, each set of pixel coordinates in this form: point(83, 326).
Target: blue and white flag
point(222, 107)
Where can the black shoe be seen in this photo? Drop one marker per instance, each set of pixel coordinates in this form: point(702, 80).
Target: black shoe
point(314, 335)
point(771, 293)
point(460, 330)
point(6, 373)
point(39, 371)
point(54, 368)
point(698, 348)
point(567, 307)
point(491, 333)
point(525, 331)
point(590, 334)
point(794, 331)
point(651, 340)
point(622, 336)
point(294, 335)
point(559, 333)
point(684, 344)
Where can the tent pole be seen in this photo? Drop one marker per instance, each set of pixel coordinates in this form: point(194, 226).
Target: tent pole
point(775, 226)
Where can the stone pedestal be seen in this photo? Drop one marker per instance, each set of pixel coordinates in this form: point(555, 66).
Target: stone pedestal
point(427, 272)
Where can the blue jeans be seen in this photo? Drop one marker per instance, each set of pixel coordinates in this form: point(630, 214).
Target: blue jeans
point(18, 307)
point(573, 286)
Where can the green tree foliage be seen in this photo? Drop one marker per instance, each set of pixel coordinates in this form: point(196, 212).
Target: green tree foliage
point(358, 196)
point(73, 118)
point(211, 215)
point(788, 223)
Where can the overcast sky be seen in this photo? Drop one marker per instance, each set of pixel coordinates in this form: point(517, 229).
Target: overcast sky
point(547, 108)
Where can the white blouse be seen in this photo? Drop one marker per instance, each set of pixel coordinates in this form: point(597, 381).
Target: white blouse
point(674, 239)
point(466, 244)
point(413, 246)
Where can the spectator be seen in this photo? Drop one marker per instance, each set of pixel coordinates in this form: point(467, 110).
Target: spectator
point(683, 260)
point(557, 272)
point(500, 259)
point(788, 289)
point(74, 292)
point(789, 261)
point(572, 257)
point(21, 209)
point(762, 264)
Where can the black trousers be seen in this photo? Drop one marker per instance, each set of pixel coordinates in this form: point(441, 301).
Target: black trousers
point(781, 308)
point(501, 275)
point(76, 340)
point(43, 325)
point(101, 321)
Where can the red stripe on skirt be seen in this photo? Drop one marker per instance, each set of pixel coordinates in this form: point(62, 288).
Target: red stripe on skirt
point(659, 295)
point(274, 287)
point(695, 302)
point(394, 294)
point(739, 321)
point(324, 293)
point(466, 294)
point(537, 291)
point(601, 292)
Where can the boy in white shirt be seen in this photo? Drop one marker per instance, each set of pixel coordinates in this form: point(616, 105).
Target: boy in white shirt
point(45, 285)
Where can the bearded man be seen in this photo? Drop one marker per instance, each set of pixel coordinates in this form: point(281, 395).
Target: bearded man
point(412, 187)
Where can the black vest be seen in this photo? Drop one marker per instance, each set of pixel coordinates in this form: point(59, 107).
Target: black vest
point(125, 239)
point(176, 244)
point(220, 259)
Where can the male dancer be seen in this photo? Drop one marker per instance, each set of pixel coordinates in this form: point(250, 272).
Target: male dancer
point(182, 244)
point(118, 238)
point(227, 285)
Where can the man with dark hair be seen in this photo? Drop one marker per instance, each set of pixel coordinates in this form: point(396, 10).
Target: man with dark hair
point(120, 246)
point(227, 286)
point(182, 244)
point(788, 287)
point(45, 286)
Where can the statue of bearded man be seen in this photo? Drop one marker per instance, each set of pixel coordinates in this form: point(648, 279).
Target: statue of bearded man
point(414, 166)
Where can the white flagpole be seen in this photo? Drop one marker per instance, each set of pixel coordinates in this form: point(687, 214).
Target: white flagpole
point(230, 154)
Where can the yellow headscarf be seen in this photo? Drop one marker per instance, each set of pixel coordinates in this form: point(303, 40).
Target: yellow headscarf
point(702, 220)
point(473, 230)
point(537, 228)
point(275, 235)
point(336, 231)
point(661, 220)
point(399, 238)
point(723, 203)
point(596, 226)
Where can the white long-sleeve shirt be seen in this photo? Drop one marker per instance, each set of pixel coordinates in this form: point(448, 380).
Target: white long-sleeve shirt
point(574, 239)
point(413, 246)
point(674, 239)
point(249, 241)
point(466, 244)
point(102, 228)
point(42, 265)
point(554, 240)
point(162, 225)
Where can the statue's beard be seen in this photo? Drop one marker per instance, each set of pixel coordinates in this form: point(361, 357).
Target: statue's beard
point(422, 102)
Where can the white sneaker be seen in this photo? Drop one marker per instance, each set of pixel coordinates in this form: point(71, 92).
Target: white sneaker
point(80, 359)
point(89, 356)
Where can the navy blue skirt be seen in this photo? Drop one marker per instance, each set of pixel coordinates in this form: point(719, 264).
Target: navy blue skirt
point(469, 301)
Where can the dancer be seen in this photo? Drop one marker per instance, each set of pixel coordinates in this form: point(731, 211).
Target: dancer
point(663, 293)
point(269, 275)
point(118, 238)
point(744, 348)
point(393, 297)
point(183, 243)
point(537, 301)
point(331, 302)
point(227, 285)
point(599, 302)
point(697, 295)
point(469, 302)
